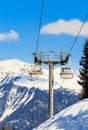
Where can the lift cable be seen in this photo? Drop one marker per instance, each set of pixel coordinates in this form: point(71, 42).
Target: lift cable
point(39, 27)
point(69, 54)
point(78, 34)
point(36, 69)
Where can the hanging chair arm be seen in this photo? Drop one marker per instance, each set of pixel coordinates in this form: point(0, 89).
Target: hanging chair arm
point(67, 58)
point(36, 59)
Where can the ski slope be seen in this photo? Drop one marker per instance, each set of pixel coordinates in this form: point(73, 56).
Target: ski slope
point(74, 117)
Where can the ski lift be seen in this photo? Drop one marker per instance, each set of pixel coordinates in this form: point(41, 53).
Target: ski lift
point(66, 72)
point(36, 70)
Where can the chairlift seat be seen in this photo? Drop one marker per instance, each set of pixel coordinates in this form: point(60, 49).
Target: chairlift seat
point(66, 72)
point(36, 70)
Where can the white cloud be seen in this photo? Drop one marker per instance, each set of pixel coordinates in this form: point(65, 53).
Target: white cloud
point(11, 35)
point(70, 27)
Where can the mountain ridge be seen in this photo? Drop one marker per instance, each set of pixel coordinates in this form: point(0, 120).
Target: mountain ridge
point(15, 67)
point(22, 95)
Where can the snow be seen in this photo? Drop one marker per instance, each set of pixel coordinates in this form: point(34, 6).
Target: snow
point(31, 97)
point(12, 67)
point(74, 117)
point(43, 84)
point(14, 99)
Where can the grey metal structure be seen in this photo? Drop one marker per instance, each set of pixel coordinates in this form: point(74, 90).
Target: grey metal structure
point(51, 58)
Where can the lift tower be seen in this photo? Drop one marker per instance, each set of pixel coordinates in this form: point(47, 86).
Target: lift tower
point(51, 58)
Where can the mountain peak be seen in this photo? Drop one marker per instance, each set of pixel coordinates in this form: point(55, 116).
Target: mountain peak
point(11, 67)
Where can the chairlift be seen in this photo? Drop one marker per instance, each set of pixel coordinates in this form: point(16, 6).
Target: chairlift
point(66, 72)
point(36, 70)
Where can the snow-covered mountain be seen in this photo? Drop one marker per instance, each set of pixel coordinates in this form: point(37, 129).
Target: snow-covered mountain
point(12, 67)
point(24, 99)
point(74, 117)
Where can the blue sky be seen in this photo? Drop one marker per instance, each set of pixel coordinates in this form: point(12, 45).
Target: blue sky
point(61, 21)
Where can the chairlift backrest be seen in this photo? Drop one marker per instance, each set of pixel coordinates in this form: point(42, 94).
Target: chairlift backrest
point(66, 72)
point(36, 70)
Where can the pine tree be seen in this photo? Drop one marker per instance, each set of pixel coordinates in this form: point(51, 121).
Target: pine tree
point(83, 71)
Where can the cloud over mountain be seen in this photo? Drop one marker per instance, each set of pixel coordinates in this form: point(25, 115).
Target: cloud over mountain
point(11, 35)
point(70, 27)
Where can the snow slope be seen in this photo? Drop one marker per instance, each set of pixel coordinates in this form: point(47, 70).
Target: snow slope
point(74, 117)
